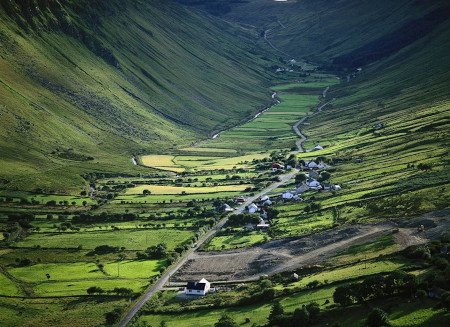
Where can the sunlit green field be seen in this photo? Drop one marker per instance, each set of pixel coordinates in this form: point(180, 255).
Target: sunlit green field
point(167, 189)
point(130, 239)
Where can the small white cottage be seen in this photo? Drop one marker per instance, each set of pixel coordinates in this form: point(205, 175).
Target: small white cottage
point(197, 288)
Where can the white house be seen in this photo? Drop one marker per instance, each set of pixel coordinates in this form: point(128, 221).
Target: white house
point(252, 208)
point(313, 165)
point(227, 208)
point(264, 198)
point(337, 187)
point(318, 147)
point(262, 224)
point(313, 184)
point(197, 288)
point(287, 195)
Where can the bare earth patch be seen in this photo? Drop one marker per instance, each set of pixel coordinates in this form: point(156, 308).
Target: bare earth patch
point(288, 254)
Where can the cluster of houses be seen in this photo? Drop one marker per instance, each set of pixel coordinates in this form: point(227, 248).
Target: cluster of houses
point(263, 203)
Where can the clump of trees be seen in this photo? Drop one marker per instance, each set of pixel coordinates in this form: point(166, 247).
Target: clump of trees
point(375, 287)
point(87, 218)
point(119, 291)
point(306, 315)
point(378, 318)
point(154, 252)
point(113, 316)
point(105, 249)
point(242, 219)
point(226, 321)
point(401, 205)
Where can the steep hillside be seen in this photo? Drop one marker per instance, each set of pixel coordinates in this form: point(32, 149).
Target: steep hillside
point(84, 85)
point(341, 32)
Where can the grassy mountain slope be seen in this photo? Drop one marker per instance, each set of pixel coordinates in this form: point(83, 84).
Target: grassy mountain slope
point(86, 84)
point(405, 161)
point(323, 30)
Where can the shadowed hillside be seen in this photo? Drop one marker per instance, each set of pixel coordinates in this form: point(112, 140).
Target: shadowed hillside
point(104, 80)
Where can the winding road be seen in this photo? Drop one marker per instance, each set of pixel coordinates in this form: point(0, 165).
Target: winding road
point(296, 128)
point(189, 254)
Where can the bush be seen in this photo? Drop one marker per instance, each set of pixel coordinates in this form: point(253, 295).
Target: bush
point(377, 318)
point(112, 317)
point(226, 321)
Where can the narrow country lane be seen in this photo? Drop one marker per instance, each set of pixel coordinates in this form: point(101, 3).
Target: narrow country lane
point(186, 256)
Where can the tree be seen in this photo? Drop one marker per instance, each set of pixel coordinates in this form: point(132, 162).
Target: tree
point(276, 315)
point(300, 317)
point(313, 310)
point(94, 290)
point(300, 178)
point(113, 316)
point(343, 295)
point(378, 318)
point(146, 192)
point(324, 176)
point(226, 321)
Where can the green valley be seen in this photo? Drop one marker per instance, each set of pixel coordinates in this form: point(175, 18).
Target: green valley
point(224, 163)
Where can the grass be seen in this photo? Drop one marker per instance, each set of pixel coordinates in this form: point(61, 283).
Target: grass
point(236, 240)
point(8, 287)
point(78, 288)
point(382, 246)
point(134, 269)
point(350, 272)
point(67, 78)
point(83, 312)
point(257, 313)
point(60, 272)
point(130, 239)
point(170, 190)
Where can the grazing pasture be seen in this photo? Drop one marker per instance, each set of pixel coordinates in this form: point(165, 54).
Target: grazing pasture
point(171, 190)
point(130, 239)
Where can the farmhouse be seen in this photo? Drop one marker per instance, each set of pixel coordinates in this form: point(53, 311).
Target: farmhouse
point(318, 147)
point(262, 224)
point(227, 208)
point(314, 165)
point(252, 208)
point(287, 195)
point(302, 188)
point(197, 288)
point(265, 201)
point(276, 166)
point(313, 174)
point(313, 184)
point(240, 199)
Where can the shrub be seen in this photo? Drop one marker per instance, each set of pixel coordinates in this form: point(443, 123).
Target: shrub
point(377, 318)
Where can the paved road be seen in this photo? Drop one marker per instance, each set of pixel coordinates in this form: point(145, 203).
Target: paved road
point(186, 256)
